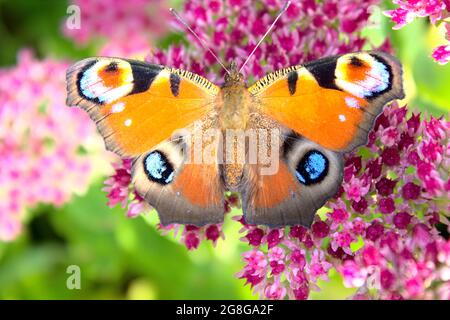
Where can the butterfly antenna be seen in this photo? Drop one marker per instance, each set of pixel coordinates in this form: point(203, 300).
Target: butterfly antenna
point(184, 23)
point(283, 10)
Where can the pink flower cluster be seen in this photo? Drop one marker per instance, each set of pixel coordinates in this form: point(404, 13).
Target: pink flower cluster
point(128, 27)
point(119, 190)
point(438, 12)
point(307, 31)
point(41, 160)
point(379, 232)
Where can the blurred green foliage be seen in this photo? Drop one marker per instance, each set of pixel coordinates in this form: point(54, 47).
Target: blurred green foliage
point(118, 258)
point(128, 258)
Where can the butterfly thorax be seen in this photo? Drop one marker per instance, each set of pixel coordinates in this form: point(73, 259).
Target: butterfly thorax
point(234, 103)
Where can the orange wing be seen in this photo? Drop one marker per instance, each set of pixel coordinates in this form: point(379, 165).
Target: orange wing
point(333, 101)
point(137, 105)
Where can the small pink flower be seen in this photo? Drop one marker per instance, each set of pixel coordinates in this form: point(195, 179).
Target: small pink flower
point(318, 267)
point(276, 253)
point(386, 205)
point(390, 156)
point(343, 240)
point(400, 17)
point(387, 279)
point(421, 234)
point(320, 229)
point(402, 219)
point(273, 238)
point(255, 236)
point(374, 231)
point(353, 275)
point(191, 240)
point(370, 255)
point(275, 291)
point(298, 258)
point(414, 287)
point(385, 186)
point(410, 191)
point(356, 189)
point(389, 136)
point(212, 233)
point(301, 293)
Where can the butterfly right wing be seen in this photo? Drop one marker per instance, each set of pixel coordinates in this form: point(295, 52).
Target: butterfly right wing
point(333, 101)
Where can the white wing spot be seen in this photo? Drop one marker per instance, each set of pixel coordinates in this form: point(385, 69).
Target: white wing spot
point(342, 118)
point(127, 122)
point(118, 107)
point(351, 102)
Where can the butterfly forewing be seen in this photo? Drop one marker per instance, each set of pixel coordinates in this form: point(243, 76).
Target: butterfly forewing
point(137, 105)
point(333, 101)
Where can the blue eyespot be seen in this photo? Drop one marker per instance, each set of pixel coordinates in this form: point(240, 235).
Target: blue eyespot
point(158, 168)
point(312, 168)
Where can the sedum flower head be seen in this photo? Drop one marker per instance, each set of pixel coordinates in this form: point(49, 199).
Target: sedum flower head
point(41, 149)
point(126, 27)
point(380, 230)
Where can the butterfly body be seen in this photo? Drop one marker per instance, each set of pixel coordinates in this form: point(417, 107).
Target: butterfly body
point(279, 142)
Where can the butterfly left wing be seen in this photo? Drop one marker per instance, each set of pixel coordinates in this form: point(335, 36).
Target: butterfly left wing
point(332, 101)
point(138, 107)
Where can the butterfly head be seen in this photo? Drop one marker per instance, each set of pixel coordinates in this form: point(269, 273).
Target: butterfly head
point(234, 77)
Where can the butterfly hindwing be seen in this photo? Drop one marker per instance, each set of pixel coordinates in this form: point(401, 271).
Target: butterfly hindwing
point(332, 101)
point(137, 105)
point(306, 177)
point(181, 189)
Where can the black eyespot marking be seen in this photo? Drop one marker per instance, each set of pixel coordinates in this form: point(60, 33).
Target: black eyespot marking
point(355, 61)
point(143, 75)
point(292, 82)
point(175, 84)
point(323, 70)
point(112, 67)
point(312, 167)
point(158, 168)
